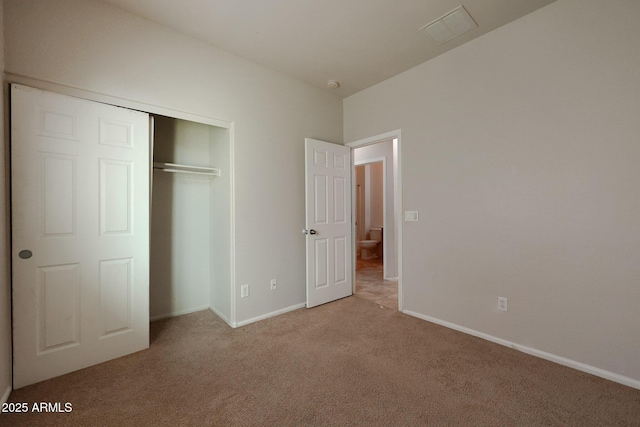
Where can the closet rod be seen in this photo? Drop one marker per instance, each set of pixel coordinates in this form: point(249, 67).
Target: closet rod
point(177, 168)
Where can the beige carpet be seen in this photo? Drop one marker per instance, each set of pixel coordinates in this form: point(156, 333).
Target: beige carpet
point(345, 363)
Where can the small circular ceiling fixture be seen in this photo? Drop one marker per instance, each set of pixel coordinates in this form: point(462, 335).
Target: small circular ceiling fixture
point(333, 84)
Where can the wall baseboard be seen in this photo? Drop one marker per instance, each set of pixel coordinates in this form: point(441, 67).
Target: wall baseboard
point(272, 314)
point(177, 313)
point(222, 316)
point(5, 395)
point(630, 382)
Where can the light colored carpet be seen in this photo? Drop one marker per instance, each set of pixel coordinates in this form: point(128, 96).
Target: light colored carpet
point(349, 362)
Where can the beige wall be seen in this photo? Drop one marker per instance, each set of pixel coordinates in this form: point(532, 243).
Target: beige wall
point(5, 284)
point(89, 45)
point(520, 150)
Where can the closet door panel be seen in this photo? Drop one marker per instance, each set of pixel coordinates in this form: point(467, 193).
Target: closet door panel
point(115, 197)
point(80, 233)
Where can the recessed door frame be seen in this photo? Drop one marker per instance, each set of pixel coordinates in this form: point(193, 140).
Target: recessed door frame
point(397, 206)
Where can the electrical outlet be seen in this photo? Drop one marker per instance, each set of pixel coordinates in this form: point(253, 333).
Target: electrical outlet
point(274, 284)
point(502, 304)
point(244, 291)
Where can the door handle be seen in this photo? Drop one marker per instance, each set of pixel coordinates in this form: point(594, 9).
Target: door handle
point(25, 254)
point(312, 231)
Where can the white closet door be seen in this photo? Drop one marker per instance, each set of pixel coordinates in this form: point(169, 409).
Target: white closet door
point(80, 233)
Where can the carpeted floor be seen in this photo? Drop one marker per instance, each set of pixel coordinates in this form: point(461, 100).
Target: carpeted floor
point(347, 363)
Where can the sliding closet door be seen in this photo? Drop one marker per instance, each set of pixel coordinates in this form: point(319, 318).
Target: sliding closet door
point(80, 233)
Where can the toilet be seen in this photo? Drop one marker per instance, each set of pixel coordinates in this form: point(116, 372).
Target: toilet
point(369, 248)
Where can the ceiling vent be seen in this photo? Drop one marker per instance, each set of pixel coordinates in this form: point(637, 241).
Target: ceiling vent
point(450, 25)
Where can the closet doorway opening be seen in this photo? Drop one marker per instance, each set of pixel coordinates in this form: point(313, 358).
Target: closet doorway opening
point(99, 204)
point(376, 207)
point(191, 221)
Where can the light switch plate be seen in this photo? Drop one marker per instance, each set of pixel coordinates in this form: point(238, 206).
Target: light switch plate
point(410, 215)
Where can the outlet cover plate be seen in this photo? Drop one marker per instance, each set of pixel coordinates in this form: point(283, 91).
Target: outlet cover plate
point(410, 215)
point(502, 304)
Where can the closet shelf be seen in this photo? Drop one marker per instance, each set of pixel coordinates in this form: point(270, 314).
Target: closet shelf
point(177, 168)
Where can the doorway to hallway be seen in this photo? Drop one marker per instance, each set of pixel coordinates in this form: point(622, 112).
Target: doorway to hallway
point(376, 225)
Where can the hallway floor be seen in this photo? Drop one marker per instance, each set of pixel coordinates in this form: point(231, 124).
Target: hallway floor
point(370, 283)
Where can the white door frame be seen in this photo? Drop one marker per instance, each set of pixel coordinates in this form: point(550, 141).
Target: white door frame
point(154, 109)
point(397, 183)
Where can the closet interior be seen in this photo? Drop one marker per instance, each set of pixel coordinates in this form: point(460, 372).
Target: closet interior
point(190, 262)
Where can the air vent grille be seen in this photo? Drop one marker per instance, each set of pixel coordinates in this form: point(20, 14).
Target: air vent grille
point(450, 25)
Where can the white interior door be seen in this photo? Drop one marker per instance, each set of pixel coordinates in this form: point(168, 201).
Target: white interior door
point(328, 221)
point(80, 233)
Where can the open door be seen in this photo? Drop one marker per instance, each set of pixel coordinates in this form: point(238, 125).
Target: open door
point(328, 221)
point(80, 233)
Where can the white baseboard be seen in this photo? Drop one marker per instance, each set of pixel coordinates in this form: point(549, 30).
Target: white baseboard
point(5, 395)
point(178, 313)
point(272, 314)
point(222, 316)
point(533, 352)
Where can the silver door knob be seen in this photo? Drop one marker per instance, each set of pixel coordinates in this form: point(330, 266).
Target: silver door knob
point(312, 231)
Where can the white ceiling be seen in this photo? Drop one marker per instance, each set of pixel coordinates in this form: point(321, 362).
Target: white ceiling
point(356, 42)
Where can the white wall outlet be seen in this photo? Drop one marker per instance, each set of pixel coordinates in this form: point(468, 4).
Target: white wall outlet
point(410, 215)
point(274, 284)
point(502, 304)
point(244, 291)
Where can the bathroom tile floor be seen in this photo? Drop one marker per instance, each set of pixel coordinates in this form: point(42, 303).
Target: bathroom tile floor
point(370, 283)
